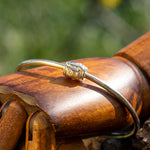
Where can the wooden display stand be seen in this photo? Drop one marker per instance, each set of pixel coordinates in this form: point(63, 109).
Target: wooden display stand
point(43, 110)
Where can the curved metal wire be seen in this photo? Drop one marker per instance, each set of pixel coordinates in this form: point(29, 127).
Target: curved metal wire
point(77, 71)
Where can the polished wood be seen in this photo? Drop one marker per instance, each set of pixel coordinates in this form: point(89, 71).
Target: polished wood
point(137, 55)
point(39, 131)
point(12, 122)
point(70, 144)
point(39, 134)
point(81, 108)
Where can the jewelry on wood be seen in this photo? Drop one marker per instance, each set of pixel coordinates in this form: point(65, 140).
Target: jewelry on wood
point(77, 71)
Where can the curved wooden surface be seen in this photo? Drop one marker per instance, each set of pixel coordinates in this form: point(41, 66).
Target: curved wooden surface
point(79, 108)
point(82, 108)
point(12, 122)
point(137, 54)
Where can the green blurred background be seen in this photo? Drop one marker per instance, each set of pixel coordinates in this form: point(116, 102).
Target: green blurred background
point(68, 29)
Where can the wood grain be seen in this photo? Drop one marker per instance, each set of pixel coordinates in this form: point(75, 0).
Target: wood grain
point(12, 123)
point(139, 53)
point(137, 56)
point(82, 108)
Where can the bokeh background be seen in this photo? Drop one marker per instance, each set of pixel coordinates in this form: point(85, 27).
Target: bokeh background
point(68, 29)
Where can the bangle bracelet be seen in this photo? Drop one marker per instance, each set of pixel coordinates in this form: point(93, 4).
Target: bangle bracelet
point(77, 71)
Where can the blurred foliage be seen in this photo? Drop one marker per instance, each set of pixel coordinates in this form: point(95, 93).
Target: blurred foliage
point(65, 30)
point(111, 3)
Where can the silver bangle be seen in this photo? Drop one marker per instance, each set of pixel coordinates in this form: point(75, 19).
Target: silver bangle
point(77, 71)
